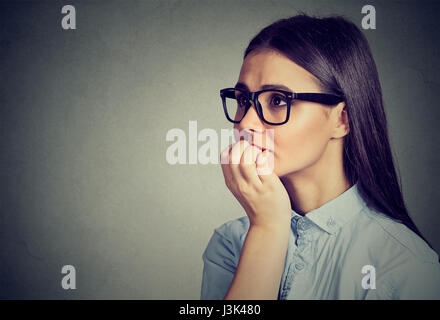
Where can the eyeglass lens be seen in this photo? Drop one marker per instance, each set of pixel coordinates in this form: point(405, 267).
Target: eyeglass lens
point(273, 105)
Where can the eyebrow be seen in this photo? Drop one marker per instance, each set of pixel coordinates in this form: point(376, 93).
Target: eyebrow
point(241, 85)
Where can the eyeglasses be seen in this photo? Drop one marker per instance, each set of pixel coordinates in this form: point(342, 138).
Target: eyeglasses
point(272, 105)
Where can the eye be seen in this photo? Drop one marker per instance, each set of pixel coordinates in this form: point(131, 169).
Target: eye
point(242, 100)
point(276, 101)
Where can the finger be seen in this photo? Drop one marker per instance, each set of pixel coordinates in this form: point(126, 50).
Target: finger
point(224, 155)
point(247, 165)
point(265, 166)
point(235, 157)
point(224, 161)
point(237, 150)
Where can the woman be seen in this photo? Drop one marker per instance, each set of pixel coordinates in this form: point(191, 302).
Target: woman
point(329, 222)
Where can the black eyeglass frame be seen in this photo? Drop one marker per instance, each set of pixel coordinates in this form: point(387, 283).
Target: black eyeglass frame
point(323, 98)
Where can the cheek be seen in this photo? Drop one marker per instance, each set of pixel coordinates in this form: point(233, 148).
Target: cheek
point(300, 144)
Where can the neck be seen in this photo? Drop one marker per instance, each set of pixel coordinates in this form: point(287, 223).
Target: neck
point(319, 183)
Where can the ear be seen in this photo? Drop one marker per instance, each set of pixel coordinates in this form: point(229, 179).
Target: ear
point(341, 127)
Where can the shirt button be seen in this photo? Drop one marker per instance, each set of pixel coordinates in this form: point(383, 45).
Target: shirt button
point(299, 266)
point(302, 224)
point(331, 222)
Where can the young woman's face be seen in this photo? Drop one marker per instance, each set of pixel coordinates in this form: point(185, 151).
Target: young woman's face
point(301, 141)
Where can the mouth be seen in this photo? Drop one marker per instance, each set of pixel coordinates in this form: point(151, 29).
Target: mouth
point(262, 148)
point(253, 141)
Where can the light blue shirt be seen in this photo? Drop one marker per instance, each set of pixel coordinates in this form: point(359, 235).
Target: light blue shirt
point(341, 250)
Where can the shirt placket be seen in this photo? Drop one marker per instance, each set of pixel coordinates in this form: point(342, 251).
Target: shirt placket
point(299, 254)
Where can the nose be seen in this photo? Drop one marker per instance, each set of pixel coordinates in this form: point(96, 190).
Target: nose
point(250, 126)
point(251, 120)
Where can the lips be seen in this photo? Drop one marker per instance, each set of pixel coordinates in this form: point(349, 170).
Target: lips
point(255, 139)
point(253, 144)
point(262, 148)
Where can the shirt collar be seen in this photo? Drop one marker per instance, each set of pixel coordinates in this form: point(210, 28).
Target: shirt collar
point(332, 215)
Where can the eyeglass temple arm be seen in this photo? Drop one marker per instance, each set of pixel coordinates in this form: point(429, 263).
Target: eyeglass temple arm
point(228, 94)
point(323, 98)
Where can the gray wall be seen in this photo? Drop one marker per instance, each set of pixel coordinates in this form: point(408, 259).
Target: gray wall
point(84, 115)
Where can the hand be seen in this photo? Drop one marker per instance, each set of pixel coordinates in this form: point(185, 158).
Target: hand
point(261, 193)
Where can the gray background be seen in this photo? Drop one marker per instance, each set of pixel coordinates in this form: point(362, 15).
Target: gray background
point(84, 115)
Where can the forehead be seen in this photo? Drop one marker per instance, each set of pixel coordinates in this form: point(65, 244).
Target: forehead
point(270, 67)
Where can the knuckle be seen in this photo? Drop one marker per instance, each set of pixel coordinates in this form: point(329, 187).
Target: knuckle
point(228, 183)
point(245, 165)
point(259, 189)
point(224, 155)
point(224, 159)
point(243, 189)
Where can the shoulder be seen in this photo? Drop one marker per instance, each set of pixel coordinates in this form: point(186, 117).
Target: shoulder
point(397, 236)
point(408, 267)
